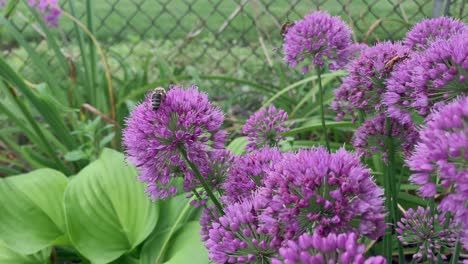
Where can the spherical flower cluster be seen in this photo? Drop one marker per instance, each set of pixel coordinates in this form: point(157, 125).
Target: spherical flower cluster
point(320, 192)
point(317, 249)
point(441, 156)
point(363, 88)
point(372, 135)
point(237, 237)
point(49, 9)
point(420, 228)
point(319, 38)
point(355, 50)
point(220, 162)
point(247, 173)
point(429, 78)
point(156, 141)
point(428, 30)
point(264, 127)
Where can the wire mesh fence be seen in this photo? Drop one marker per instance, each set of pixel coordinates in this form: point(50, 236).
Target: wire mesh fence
point(240, 37)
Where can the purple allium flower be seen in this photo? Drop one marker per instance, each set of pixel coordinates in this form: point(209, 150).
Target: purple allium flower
point(154, 140)
point(317, 39)
point(264, 127)
point(208, 216)
point(355, 50)
point(247, 173)
point(363, 88)
point(437, 75)
point(426, 31)
point(299, 201)
point(236, 237)
point(370, 137)
point(317, 249)
point(49, 9)
point(220, 162)
point(441, 156)
point(428, 232)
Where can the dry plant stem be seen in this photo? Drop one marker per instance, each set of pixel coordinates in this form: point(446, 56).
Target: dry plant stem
point(110, 88)
point(199, 177)
point(92, 109)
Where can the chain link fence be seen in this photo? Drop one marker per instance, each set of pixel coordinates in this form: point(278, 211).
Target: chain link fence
point(240, 38)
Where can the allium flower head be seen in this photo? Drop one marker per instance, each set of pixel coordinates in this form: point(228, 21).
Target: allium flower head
point(49, 9)
point(247, 173)
point(426, 79)
point(441, 156)
point(371, 136)
point(300, 201)
point(155, 140)
point(428, 30)
point(264, 127)
point(342, 248)
point(236, 237)
point(362, 89)
point(428, 232)
point(317, 39)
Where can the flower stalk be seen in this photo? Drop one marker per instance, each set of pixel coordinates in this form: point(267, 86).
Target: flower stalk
point(391, 189)
point(322, 111)
point(202, 181)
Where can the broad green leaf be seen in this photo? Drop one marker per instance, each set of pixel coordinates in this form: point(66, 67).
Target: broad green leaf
point(237, 146)
point(187, 246)
point(9, 256)
point(176, 211)
point(32, 216)
point(107, 211)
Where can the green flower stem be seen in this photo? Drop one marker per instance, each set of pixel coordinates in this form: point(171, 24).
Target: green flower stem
point(324, 126)
point(391, 189)
point(202, 181)
point(322, 111)
point(387, 239)
point(456, 253)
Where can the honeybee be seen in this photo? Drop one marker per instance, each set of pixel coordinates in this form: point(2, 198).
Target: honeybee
point(389, 65)
point(156, 97)
point(285, 27)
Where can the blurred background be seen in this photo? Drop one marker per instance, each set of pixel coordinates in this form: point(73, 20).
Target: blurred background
point(239, 38)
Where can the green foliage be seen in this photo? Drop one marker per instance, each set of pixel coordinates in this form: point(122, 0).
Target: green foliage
point(9, 256)
point(32, 215)
point(107, 211)
point(186, 246)
point(102, 212)
point(178, 213)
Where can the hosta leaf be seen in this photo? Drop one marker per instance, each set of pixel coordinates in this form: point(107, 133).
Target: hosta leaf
point(9, 256)
point(32, 216)
point(107, 211)
point(187, 247)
